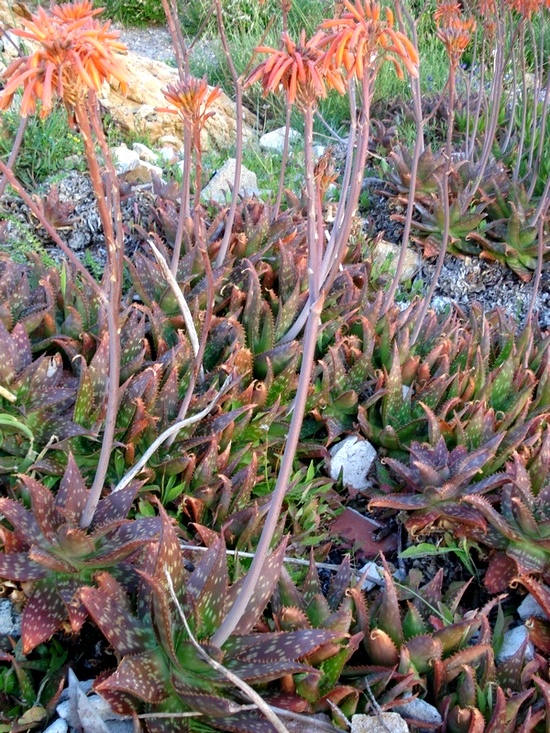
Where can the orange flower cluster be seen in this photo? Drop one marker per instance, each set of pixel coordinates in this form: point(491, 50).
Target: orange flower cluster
point(75, 55)
point(191, 99)
point(298, 68)
point(454, 31)
point(528, 8)
point(361, 36)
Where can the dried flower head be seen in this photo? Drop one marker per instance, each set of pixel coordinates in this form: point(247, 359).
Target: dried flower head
point(191, 98)
point(361, 37)
point(299, 69)
point(75, 54)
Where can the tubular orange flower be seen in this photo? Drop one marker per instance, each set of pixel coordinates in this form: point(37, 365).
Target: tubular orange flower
point(455, 36)
point(75, 55)
point(298, 68)
point(446, 11)
point(361, 37)
point(191, 99)
point(527, 8)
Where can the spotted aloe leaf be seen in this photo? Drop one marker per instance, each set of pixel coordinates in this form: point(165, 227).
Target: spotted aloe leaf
point(262, 592)
point(109, 607)
point(206, 588)
point(140, 675)
point(44, 614)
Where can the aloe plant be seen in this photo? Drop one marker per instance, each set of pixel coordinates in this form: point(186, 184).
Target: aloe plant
point(160, 669)
point(437, 482)
point(518, 532)
point(47, 546)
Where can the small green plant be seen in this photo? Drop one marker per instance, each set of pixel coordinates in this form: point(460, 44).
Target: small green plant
point(49, 145)
point(136, 13)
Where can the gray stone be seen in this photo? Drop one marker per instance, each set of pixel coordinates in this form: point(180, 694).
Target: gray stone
point(512, 641)
point(529, 607)
point(274, 141)
point(420, 710)
point(58, 726)
point(354, 457)
point(125, 159)
point(220, 186)
point(120, 726)
point(10, 620)
point(145, 153)
point(381, 723)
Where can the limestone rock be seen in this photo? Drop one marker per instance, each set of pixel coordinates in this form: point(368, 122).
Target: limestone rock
point(274, 141)
point(125, 160)
point(353, 456)
point(143, 172)
point(220, 185)
point(386, 255)
point(145, 153)
point(137, 111)
point(381, 723)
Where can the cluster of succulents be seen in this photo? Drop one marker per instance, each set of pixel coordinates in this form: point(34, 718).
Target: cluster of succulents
point(129, 423)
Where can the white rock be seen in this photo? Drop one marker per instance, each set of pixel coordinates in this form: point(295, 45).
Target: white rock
point(319, 151)
point(168, 154)
point(219, 187)
point(10, 621)
point(143, 172)
point(145, 153)
point(354, 457)
point(386, 255)
point(274, 141)
point(381, 723)
point(371, 575)
point(529, 607)
point(58, 726)
point(102, 708)
point(512, 641)
point(421, 710)
point(64, 710)
point(125, 159)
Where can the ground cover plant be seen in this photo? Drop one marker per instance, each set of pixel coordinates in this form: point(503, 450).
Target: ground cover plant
point(165, 425)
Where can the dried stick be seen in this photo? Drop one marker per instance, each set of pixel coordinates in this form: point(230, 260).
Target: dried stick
point(175, 428)
point(14, 151)
point(239, 140)
point(184, 308)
